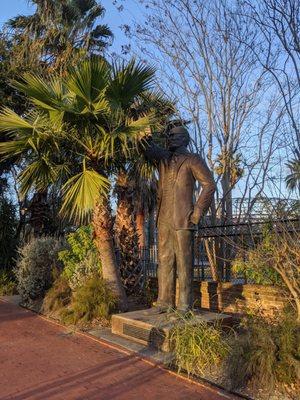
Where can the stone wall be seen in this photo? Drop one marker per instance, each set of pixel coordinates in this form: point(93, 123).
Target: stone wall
point(236, 299)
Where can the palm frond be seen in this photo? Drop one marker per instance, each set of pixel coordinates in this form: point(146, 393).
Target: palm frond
point(46, 94)
point(11, 122)
point(124, 138)
point(88, 80)
point(128, 82)
point(39, 174)
point(80, 194)
point(293, 179)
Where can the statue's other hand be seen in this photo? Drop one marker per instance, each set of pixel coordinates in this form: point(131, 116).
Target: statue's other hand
point(195, 217)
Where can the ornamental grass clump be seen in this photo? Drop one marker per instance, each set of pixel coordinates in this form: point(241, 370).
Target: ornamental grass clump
point(58, 296)
point(197, 345)
point(266, 355)
point(92, 301)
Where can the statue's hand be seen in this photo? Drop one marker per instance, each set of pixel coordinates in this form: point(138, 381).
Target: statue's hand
point(195, 217)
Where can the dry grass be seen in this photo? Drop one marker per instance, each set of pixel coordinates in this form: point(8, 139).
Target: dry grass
point(197, 345)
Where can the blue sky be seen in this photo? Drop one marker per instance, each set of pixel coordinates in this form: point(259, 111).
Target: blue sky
point(113, 18)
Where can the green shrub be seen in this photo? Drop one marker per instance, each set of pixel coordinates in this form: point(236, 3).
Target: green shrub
point(81, 258)
point(37, 262)
point(266, 354)
point(93, 300)
point(8, 286)
point(197, 345)
point(58, 296)
point(256, 268)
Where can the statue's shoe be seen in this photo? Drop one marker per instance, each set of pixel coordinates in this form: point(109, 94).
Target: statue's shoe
point(163, 308)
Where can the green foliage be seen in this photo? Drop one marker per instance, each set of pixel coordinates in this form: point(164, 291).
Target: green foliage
point(58, 34)
point(7, 232)
point(37, 262)
point(81, 258)
point(93, 300)
point(197, 345)
point(81, 126)
point(266, 354)
point(8, 285)
point(58, 296)
point(256, 268)
point(293, 178)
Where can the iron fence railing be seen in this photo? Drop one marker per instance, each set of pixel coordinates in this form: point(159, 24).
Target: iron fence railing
point(226, 241)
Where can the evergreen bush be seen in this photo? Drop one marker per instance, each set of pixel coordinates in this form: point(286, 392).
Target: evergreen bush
point(34, 271)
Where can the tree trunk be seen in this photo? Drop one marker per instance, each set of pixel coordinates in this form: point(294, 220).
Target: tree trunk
point(140, 226)
point(40, 220)
point(127, 236)
point(104, 240)
point(227, 219)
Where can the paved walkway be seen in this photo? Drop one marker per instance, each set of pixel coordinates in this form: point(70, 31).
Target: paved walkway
point(40, 360)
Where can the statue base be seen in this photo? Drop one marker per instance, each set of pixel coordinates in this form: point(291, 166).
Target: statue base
point(152, 328)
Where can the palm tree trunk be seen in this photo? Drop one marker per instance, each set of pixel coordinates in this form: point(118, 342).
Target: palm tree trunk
point(40, 214)
point(140, 226)
point(104, 239)
point(127, 236)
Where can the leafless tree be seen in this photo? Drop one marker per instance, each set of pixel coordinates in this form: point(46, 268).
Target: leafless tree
point(278, 51)
point(209, 68)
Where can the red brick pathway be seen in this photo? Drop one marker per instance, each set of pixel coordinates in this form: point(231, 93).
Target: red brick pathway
point(40, 360)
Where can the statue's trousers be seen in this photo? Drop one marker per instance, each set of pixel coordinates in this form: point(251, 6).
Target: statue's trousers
point(175, 257)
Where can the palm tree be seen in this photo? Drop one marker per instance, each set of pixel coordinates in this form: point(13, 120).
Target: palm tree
point(78, 131)
point(59, 33)
point(293, 179)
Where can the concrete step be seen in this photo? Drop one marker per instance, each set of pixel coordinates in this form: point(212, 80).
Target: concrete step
point(151, 328)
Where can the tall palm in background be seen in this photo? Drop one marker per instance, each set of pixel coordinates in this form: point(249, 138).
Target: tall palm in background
point(59, 33)
point(293, 178)
point(80, 128)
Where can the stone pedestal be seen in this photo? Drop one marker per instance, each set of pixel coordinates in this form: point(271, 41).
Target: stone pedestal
point(151, 328)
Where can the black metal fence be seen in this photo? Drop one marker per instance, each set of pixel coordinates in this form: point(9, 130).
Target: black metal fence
point(221, 244)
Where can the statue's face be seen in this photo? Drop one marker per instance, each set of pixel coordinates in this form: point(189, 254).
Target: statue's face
point(176, 140)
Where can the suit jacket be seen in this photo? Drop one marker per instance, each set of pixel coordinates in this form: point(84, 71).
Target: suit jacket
point(189, 168)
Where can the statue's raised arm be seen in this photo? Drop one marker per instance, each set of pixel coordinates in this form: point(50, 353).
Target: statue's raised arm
point(155, 153)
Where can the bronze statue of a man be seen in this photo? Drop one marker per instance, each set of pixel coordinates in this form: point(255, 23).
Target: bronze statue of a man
point(178, 215)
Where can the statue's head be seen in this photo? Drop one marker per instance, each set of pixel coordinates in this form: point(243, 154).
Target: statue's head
point(178, 137)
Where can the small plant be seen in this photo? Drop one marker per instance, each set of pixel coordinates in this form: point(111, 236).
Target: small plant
point(256, 267)
point(34, 271)
point(81, 258)
point(92, 301)
point(197, 345)
point(266, 354)
point(8, 286)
